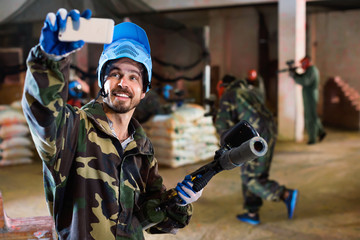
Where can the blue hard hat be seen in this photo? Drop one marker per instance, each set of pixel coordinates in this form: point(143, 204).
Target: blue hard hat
point(75, 89)
point(166, 91)
point(130, 41)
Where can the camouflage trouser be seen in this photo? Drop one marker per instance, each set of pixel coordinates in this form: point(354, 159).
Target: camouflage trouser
point(255, 183)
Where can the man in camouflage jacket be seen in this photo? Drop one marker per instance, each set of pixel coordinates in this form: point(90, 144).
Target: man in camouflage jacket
point(100, 174)
point(240, 103)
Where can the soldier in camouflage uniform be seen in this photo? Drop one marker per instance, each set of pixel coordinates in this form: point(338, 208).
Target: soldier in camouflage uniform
point(240, 103)
point(100, 175)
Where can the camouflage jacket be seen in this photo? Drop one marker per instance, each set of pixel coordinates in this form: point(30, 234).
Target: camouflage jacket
point(240, 103)
point(94, 188)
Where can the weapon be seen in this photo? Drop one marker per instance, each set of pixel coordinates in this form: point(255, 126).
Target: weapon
point(239, 144)
point(291, 67)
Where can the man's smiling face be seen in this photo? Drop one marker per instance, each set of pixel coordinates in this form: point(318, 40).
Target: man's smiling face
point(124, 85)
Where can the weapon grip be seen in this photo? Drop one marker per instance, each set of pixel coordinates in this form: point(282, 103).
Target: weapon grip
point(173, 199)
point(201, 182)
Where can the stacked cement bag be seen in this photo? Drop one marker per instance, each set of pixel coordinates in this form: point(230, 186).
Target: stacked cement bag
point(16, 146)
point(183, 137)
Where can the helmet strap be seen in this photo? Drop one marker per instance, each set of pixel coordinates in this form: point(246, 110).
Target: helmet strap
point(100, 93)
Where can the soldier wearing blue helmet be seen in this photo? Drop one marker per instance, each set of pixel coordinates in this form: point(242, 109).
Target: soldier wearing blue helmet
point(100, 174)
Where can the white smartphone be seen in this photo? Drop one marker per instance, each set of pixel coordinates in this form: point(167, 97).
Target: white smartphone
point(93, 30)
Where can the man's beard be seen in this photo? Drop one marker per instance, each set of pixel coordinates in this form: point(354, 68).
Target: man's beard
point(121, 107)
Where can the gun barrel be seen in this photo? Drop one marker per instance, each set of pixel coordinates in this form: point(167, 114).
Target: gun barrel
point(254, 148)
point(283, 70)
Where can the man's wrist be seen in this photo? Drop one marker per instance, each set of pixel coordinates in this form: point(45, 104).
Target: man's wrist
point(53, 56)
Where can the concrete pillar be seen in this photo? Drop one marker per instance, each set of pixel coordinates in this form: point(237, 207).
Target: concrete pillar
point(292, 45)
point(207, 70)
point(217, 40)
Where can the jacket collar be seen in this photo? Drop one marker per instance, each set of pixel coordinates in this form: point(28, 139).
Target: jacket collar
point(96, 112)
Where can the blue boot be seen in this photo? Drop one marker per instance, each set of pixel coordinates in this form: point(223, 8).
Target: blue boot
point(248, 219)
point(290, 202)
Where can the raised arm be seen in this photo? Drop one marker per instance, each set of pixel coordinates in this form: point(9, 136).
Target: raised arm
point(46, 83)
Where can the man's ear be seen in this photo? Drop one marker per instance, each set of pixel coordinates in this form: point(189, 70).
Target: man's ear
point(143, 95)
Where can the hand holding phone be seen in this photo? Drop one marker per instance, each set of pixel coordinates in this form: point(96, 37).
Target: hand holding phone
point(49, 39)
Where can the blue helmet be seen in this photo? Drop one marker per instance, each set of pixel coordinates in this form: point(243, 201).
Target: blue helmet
point(130, 41)
point(75, 89)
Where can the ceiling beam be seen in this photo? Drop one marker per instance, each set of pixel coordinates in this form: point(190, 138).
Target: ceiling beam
point(171, 5)
point(179, 5)
point(8, 7)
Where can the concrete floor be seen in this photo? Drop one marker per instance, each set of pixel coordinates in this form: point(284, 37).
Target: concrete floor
point(326, 175)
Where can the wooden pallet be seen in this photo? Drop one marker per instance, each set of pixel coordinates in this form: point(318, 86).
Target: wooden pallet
point(25, 228)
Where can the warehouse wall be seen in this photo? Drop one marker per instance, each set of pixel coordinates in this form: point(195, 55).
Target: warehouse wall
point(332, 41)
point(233, 41)
point(336, 45)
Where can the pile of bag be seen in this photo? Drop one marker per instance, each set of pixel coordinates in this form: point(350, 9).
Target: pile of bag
point(16, 146)
point(183, 137)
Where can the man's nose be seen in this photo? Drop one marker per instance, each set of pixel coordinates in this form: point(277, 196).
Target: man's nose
point(123, 82)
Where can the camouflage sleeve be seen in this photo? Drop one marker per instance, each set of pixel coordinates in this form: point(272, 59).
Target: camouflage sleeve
point(43, 103)
point(173, 217)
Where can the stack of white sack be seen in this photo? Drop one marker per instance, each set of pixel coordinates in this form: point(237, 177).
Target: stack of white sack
point(183, 137)
point(16, 146)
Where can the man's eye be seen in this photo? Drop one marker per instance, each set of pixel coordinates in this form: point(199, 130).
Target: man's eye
point(115, 75)
point(134, 77)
